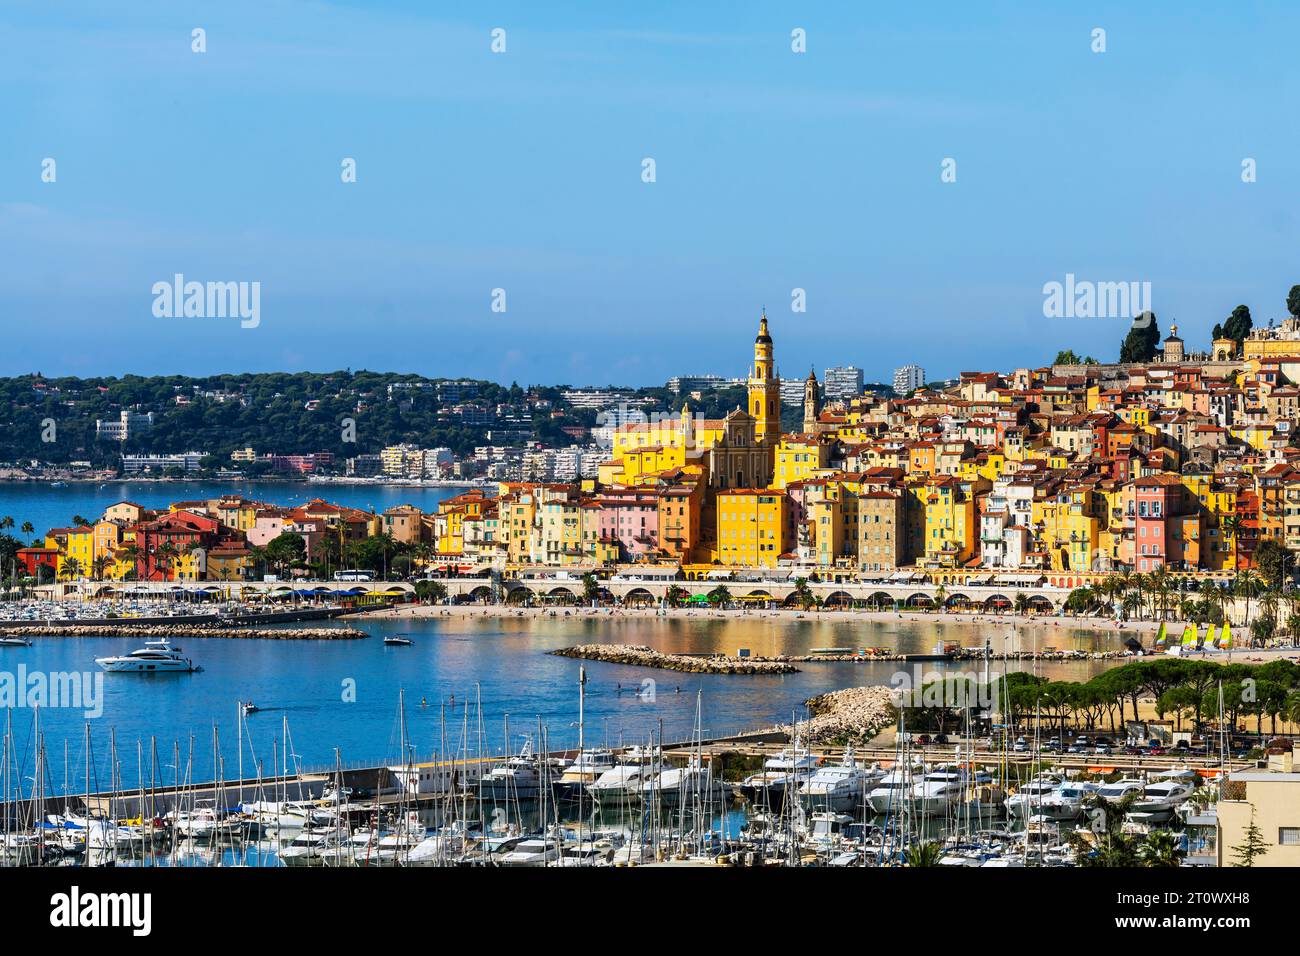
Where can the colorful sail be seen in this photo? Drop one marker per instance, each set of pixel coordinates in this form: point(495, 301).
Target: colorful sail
point(1225, 636)
point(1189, 636)
point(1161, 636)
point(1212, 637)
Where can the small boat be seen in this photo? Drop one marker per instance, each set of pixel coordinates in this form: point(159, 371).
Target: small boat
point(250, 708)
point(155, 657)
point(15, 642)
point(396, 640)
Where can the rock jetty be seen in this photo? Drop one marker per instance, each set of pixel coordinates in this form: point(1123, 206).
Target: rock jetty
point(851, 716)
point(642, 656)
point(183, 630)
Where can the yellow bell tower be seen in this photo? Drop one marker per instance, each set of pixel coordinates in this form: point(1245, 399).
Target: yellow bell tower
point(764, 388)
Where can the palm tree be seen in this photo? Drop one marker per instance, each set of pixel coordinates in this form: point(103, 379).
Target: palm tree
point(925, 853)
point(1247, 586)
point(720, 596)
point(6, 523)
point(803, 593)
point(29, 529)
point(1161, 848)
point(71, 568)
point(1020, 602)
point(1230, 525)
point(99, 566)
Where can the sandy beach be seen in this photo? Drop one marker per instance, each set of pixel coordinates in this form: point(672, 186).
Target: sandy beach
point(788, 615)
point(1045, 624)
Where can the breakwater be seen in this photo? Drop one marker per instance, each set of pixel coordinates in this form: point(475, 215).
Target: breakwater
point(641, 656)
point(852, 716)
point(183, 630)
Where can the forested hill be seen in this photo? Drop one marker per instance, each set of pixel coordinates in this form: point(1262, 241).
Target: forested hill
point(285, 413)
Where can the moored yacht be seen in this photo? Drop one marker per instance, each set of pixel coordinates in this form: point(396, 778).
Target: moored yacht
point(1161, 798)
point(1025, 801)
point(156, 657)
point(1067, 803)
point(782, 772)
point(838, 787)
point(938, 791)
point(516, 779)
point(586, 767)
point(892, 792)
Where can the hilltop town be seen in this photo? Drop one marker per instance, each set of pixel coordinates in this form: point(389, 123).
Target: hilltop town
point(1183, 464)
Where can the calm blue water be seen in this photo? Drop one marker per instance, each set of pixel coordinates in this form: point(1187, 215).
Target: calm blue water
point(452, 661)
point(51, 507)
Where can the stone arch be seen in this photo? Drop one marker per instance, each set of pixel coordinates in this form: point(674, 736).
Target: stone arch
point(838, 599)
point(920, 599)
point(519, 595)
point(638, 596)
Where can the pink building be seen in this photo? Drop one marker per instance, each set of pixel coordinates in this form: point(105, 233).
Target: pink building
point(630, 519)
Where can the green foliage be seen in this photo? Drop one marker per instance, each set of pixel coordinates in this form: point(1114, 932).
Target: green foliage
point(1238, 325)
point(1070, 357)
point(1252, 848)
point(266, 411)
point(1143, 340)
point(1293, 301)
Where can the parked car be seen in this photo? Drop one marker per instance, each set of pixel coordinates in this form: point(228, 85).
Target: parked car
point(1021, 745)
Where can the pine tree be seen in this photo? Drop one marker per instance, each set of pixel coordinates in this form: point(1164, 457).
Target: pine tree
point(1293, 301)
point(1254, 846)
point(1142, 341)
point(1239, 324)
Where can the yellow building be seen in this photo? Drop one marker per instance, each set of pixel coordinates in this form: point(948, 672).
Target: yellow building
point(950, 523)
point(1070, 528)
point(1269, 799)
point(561, 532)
point(751, 527)
point(798, 458)
point(76, 550)
point(644, 449)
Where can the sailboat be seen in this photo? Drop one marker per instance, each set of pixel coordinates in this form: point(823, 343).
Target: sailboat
point(1162, 638)
point(1225, 637)
point(1186, 643)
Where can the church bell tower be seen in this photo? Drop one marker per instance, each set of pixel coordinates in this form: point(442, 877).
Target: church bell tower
point(764, 388)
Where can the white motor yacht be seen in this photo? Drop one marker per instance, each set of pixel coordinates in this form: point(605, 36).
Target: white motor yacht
point(586, 767)
point(534, 851)
point(1160, 799)
point(676, 785)
point(308, 848)
point(156, 657)
point(1067, 803)
point(1025, 801)
point(839, 787)
point(782, 772)
point(518, 778)
point(892, 792)
point(938, 791)
point(623, 782)
point(1117, 791)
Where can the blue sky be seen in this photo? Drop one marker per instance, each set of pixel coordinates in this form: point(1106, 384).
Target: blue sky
point(522, 171)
